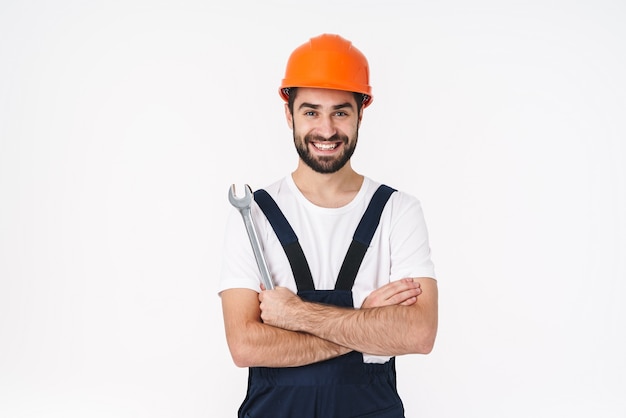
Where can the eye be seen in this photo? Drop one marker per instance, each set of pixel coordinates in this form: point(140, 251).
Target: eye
point(341, 113)
point(309, 113)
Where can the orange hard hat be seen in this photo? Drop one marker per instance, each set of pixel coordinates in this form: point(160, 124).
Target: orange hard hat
point(329, 62)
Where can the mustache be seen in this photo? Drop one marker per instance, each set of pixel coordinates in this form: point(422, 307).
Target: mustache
point(319, 138)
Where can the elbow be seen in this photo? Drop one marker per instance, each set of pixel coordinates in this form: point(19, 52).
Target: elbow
point(245, 345)
point(238, 357)
point(241, 353)
point(424, 341)
point(425, 347)
point(241, 357)
point(241, 362)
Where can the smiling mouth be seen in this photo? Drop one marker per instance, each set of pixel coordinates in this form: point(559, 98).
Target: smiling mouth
point(325, 146)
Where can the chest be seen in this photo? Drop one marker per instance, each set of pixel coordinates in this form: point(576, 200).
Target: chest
point(325, 239)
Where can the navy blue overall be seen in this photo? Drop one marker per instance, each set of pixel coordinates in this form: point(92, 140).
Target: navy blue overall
point(342, 387)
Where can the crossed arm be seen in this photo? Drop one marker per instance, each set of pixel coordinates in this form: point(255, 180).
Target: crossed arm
point(284, 331)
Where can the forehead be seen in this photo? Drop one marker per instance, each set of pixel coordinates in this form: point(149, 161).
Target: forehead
point(323, 97)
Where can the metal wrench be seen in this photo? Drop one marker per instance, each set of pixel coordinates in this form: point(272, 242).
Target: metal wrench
point(243, 204)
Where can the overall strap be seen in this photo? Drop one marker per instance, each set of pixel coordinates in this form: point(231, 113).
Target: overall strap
point(362, 238)
point(288, 239)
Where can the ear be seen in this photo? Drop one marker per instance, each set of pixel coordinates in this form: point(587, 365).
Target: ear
point(358, 125)
point(289, 117)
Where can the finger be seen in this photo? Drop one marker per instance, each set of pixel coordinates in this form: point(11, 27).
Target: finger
point(403, 296)
point(400, 289)
point(390, 289)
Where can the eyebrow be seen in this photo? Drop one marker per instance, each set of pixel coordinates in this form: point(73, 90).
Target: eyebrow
point(316, 106)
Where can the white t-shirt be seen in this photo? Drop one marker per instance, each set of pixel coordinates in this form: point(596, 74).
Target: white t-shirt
point(399, 248)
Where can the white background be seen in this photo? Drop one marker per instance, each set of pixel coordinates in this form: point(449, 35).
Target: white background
point(123, 123)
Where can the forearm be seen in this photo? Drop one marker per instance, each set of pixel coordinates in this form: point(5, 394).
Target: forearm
point(387, 326)
point(253, 343)
point(261, 345)
point(389, 330)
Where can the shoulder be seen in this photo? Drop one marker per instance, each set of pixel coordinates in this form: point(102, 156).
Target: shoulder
point(403, 209)
point(405, 200)
point(276, 187)
point(400, 200)
point(283, 190)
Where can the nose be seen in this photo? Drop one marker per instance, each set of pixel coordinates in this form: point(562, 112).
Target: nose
point(326, 127)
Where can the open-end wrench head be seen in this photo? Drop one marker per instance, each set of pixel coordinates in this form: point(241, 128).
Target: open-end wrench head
point(240, 202)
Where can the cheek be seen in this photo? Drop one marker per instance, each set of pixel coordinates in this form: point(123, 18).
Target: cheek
point(301, 128)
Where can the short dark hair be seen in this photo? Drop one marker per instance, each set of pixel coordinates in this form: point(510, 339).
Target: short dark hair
point(292, 92)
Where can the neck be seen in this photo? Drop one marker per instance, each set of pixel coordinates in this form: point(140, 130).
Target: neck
point(328, 190)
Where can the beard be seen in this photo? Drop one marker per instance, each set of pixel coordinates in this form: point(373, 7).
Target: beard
point(325, 164)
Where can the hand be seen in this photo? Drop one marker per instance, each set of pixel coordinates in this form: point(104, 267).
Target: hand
point(401, 292)
point(279, 307)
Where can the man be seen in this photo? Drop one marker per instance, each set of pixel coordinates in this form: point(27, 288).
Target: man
point(349, 257)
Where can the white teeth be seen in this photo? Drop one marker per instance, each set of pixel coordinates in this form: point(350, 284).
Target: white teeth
point(325, 146)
